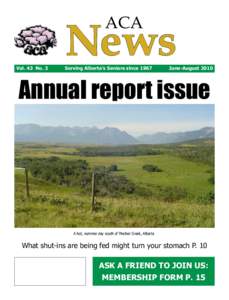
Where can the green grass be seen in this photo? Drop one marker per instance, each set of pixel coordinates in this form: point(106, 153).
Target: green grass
point(51, 205)
point(57, 206)
point(175, 171)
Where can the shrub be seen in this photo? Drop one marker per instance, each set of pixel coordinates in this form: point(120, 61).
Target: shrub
point(78, 173)
point(212, 179)
point(129, 150)
point(113, 168)
point(172, 193)
point(207, 198)
point(151, 168)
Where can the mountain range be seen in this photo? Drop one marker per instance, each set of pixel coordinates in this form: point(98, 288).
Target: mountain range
point(176, 137)
point(105, 136)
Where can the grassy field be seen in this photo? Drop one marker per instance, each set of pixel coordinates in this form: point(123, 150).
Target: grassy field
point(176, 197)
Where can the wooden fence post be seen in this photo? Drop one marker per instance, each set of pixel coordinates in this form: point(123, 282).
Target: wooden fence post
point(27, 183)
point(93, 191)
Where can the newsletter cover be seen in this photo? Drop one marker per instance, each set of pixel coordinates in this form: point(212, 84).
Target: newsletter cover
point(113, 158)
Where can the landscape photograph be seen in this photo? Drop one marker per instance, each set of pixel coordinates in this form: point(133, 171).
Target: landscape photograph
point(114, 166)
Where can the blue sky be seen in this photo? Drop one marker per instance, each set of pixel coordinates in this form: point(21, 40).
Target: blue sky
point(135, 119)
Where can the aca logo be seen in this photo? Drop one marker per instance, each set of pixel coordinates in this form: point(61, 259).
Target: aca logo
point(36, 40)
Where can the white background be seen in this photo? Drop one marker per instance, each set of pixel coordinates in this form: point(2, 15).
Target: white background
point(200, 28)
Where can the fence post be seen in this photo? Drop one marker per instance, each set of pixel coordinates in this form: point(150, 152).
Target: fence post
point(93, 191)
point(27, 183)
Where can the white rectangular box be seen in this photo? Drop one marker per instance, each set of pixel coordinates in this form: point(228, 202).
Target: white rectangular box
point(49, 271)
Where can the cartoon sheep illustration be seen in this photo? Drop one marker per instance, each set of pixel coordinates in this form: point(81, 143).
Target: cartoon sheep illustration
point(36, 40)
